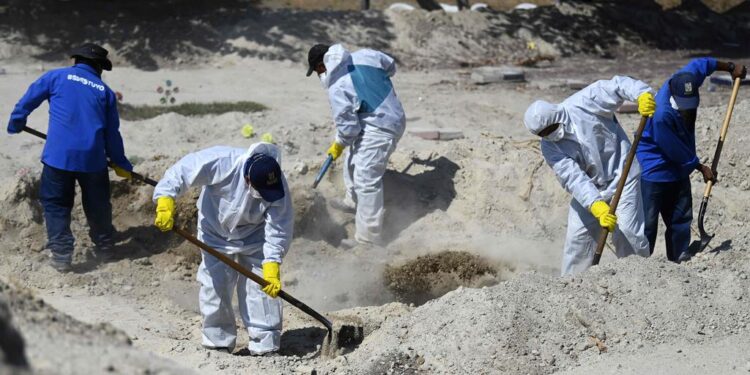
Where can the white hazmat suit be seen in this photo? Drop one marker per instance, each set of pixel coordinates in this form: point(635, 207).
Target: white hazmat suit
point(370, 119)
point(588, 161)
point(234, 221)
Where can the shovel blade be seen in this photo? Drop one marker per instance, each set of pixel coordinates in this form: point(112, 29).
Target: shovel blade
point(705, 237)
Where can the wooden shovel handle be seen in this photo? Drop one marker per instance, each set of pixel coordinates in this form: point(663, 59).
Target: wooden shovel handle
point(620, 186)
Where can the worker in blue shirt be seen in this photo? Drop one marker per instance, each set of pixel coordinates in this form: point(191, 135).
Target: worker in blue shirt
point(83, 132)
point(667, 155)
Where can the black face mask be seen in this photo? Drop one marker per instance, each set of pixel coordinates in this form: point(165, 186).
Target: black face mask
point(689, 116)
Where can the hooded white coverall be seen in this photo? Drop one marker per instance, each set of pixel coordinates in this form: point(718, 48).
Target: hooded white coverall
point(588, 162)
point(370, 119)
point(234, 221)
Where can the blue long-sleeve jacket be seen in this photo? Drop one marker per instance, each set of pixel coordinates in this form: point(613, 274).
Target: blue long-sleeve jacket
point(667, 148)
point(83, 120)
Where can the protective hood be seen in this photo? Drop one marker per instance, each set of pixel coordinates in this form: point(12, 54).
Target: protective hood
point(335, 60)
point(541, 114)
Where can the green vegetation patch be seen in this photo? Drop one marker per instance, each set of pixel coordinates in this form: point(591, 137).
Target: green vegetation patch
point(143, 112)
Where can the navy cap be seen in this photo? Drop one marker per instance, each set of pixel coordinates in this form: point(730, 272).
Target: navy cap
point(264, 174)
point(684, 88)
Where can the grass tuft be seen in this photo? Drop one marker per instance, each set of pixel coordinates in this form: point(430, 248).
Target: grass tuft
point(143, 112)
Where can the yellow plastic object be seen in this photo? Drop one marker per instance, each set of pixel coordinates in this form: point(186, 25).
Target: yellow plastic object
point(247, 131)
point(164, 213)
point(271, 274)
point(646, 104)
point(267, 137)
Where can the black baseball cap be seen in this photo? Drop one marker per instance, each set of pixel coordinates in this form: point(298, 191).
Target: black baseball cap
point(684, 88)
point(264, 174)
point(315, 56)
point(94, 52)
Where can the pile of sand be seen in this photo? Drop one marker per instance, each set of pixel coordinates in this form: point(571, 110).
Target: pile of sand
point(226, 31)
point(538, 324)
point(59, 344)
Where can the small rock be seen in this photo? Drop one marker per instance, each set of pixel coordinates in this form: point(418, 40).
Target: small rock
point(301, 168)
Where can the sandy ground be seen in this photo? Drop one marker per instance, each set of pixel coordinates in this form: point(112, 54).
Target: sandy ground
point(487, 194)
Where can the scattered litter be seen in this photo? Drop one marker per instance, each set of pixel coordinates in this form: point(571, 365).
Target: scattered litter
point(525, 6)
point(267, 137)
point(437, 134)
point(247, 130)
point(401, 6)
point(490, 74)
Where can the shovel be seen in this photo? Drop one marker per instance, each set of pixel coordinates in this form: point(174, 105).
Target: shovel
point(323, 170)
point(620, 186)
point(228, 261)
point(705, 237)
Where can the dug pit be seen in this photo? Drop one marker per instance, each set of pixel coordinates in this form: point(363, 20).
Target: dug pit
point(430, 276)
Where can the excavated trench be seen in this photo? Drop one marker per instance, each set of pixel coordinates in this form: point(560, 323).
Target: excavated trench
point(430, 276)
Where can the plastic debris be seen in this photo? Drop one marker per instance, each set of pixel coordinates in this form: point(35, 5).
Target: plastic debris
point(267, 137)
point(247, 131)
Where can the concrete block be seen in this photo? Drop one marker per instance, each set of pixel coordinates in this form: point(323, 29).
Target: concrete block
point(437, 134)
point(430, 135)
point(491, 74)
point(726, 80)
point(576, 84)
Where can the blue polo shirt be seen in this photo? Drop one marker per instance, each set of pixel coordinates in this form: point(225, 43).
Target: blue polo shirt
point(83, 120)
point(666, 152)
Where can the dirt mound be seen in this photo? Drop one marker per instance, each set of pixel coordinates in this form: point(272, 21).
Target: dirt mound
point(11, 342)
point(228, 30)
point(538, 324)
point(431, 276)
point(59, 344)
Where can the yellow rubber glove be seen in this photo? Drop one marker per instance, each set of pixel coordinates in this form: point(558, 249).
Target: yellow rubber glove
point(335, 150)
point(271, 274)
point(646, 104)
point(600, 210)
point(122, 173)
point(164, 213)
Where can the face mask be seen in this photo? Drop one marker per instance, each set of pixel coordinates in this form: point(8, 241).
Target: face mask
point(255, 194)
point(556, 135)
point(323, 79)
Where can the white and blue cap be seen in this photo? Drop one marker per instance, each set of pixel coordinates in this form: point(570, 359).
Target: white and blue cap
point(264, 174)
point(684, 88)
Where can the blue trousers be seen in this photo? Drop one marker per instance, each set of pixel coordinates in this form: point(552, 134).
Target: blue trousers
point(674, 202)
point(57, 192)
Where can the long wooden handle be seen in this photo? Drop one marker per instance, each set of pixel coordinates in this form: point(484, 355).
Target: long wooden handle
point(228, 261)
point(620, 186)
point(723, 134)
point(112, 165)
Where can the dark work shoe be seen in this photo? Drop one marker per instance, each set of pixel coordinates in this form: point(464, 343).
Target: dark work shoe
point(104, 254)
point(220, 349)
point(60, 266)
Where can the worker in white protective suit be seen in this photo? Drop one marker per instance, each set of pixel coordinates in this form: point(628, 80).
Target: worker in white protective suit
point(244, 211)
point(369, 122)
point(586, 147)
